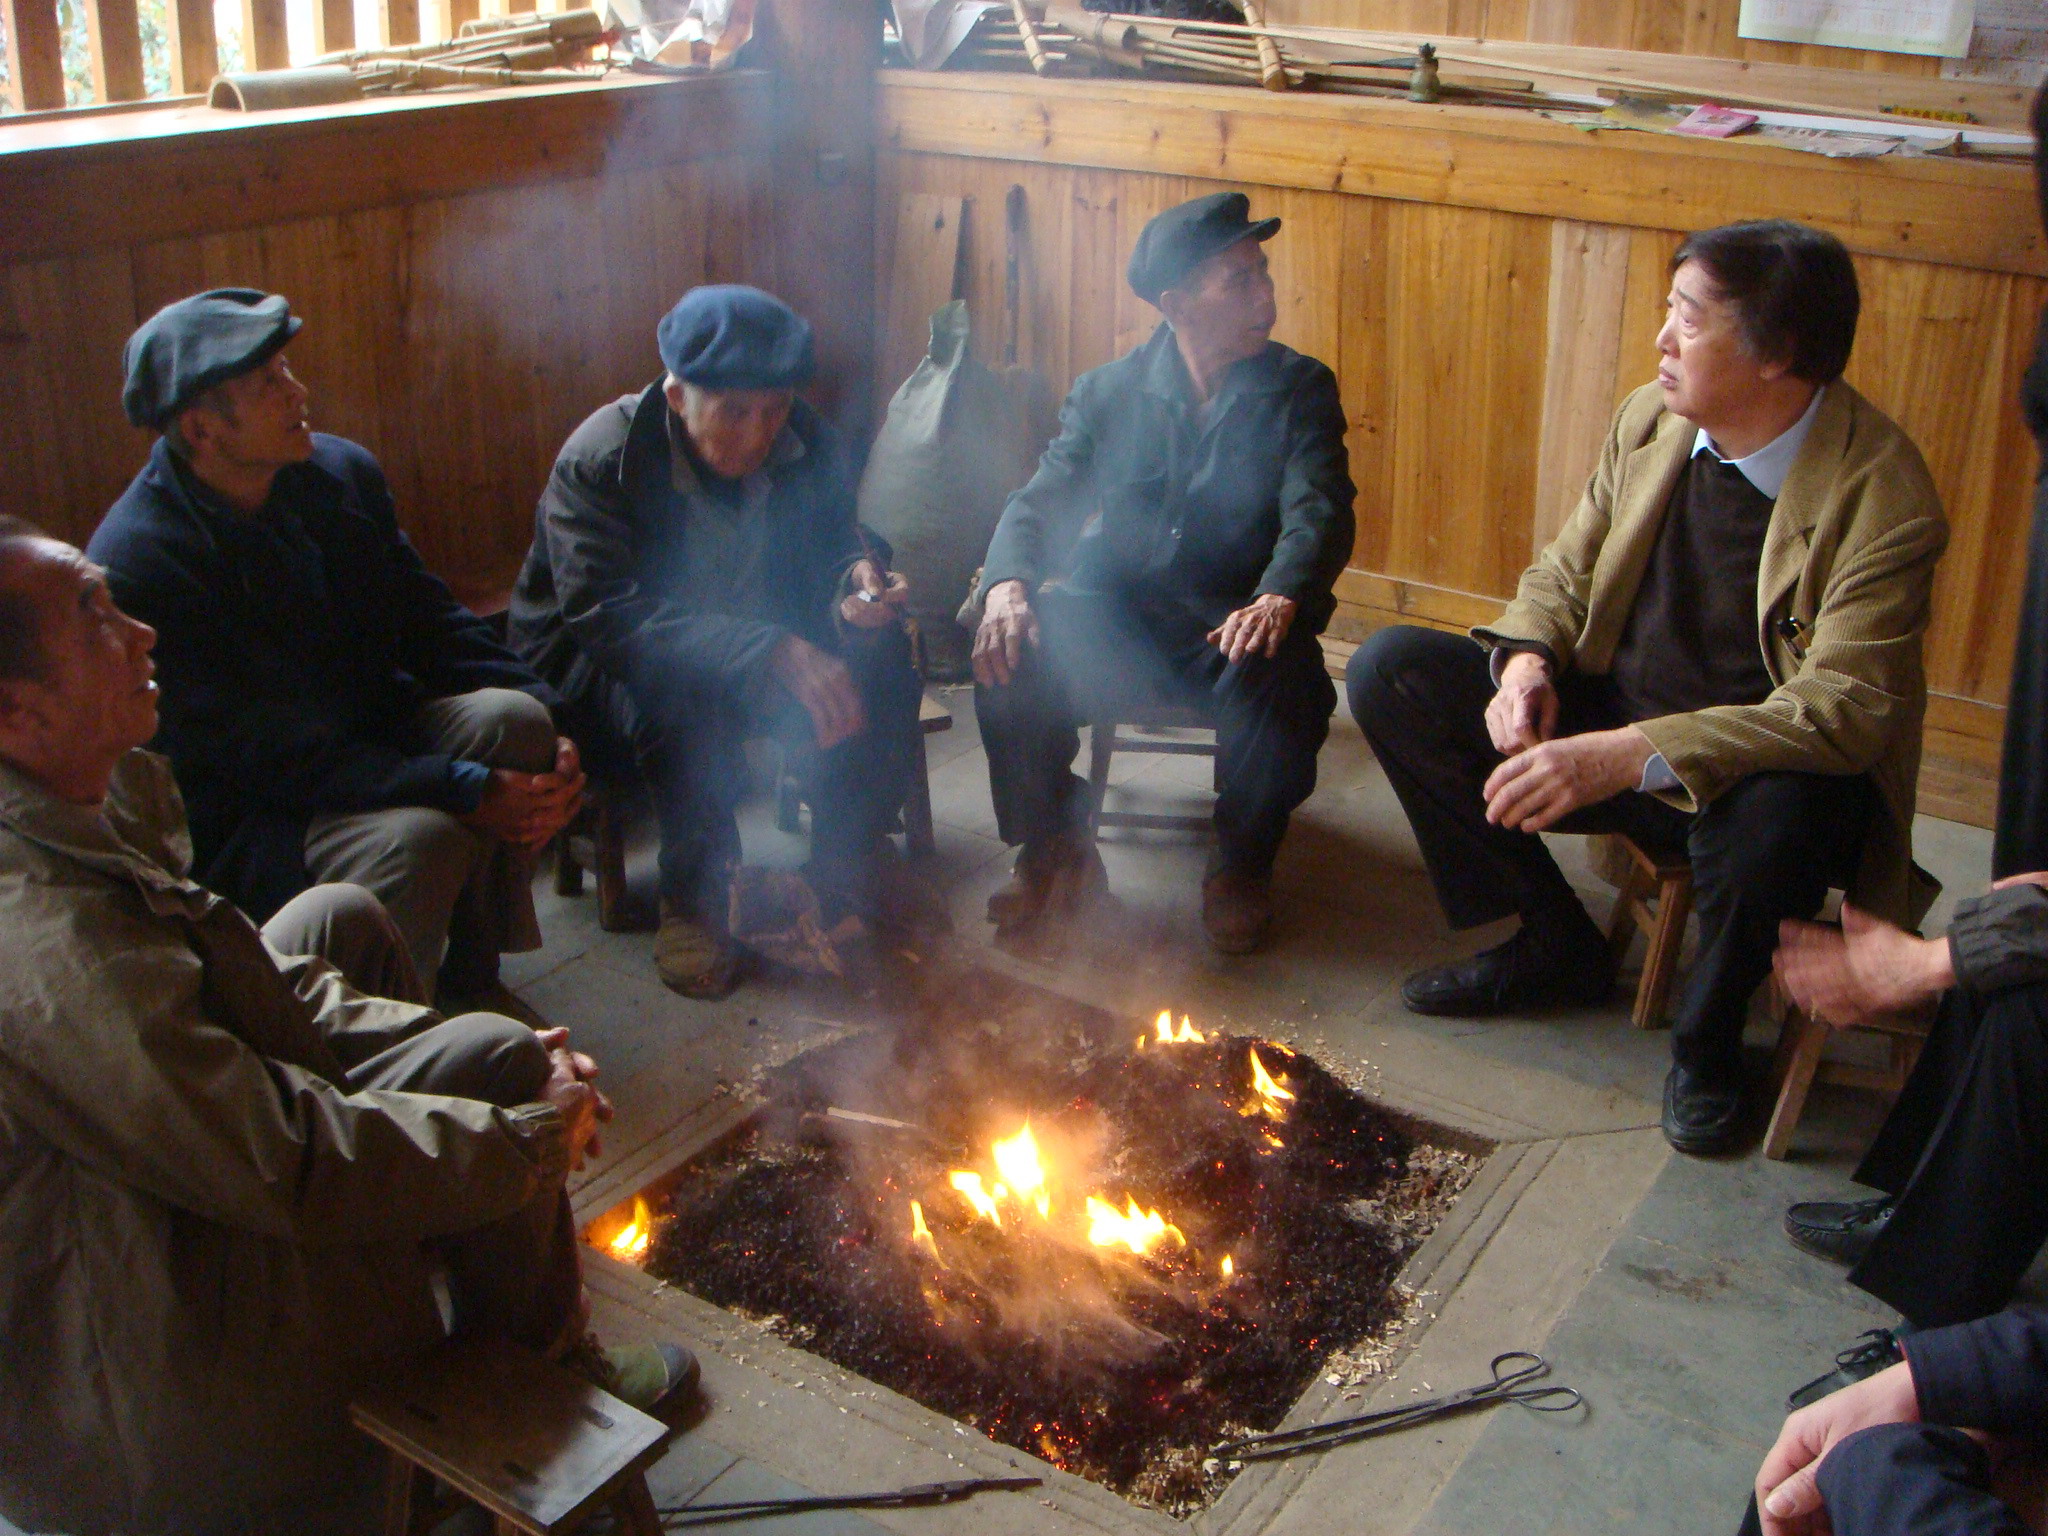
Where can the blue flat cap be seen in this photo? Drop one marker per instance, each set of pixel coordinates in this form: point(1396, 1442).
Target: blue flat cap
point(727, 336)
point(1179, 240)
point(186, 348)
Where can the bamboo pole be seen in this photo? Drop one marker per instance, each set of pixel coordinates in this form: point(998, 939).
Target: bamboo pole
point(1271, 74)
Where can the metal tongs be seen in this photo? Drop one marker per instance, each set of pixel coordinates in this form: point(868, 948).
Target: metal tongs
point(1507, 1386)
point(921, 1496)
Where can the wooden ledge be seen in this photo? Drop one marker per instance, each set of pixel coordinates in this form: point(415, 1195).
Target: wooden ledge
point(1954, 211)
point(74, 183)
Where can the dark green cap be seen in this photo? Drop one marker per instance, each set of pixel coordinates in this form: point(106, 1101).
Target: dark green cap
point(1179, 240)
point(186, 348)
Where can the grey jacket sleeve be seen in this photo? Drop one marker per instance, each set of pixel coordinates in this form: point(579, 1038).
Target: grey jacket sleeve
point(2000, 939)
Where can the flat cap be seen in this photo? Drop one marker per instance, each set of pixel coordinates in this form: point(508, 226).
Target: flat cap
point(727, 336)
point(186, 348)
point(1179, 240)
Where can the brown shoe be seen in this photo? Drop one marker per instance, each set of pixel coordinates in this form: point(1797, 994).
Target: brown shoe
point(1237, 911)
point(694, 958)
point(1051, 880)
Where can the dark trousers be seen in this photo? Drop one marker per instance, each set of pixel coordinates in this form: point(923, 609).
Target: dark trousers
point(1106, 657)
point(1767, 849)
point(1909, 1480)
point(689, 744)
point(1965, 1150)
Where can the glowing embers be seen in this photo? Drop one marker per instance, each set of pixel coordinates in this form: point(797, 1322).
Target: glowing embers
point(1139, 1231)
point(1163, 1031)
point(629, 1243)
point(1270, 1095)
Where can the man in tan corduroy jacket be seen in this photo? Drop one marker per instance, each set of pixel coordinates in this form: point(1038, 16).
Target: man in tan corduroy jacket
point(1720, 653)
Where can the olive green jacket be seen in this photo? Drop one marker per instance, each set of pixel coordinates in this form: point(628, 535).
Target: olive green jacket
point(1848, 558)
point(207, 1241)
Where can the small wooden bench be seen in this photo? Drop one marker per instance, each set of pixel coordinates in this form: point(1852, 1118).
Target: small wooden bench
point(537, 1446)
point(1655, 898)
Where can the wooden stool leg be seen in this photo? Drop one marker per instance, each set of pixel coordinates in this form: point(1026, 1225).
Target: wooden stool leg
point(635, 1509)
point(404, 1503)
point(918, 840)
point(568, 871)
point(1101, 744)
point(1660, 965)
point(612, 902)
point(1810, 1036)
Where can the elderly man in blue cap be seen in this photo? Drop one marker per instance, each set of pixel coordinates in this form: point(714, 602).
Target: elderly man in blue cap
point(697, 578)
point(331, 712)
point(1207, 474)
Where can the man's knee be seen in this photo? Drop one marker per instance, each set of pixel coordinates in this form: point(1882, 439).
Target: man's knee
point(411, 842)
point(1392, 671)
point(1769, 825)
point(490, 1057)
point(504, 728)
point(326, 920)
point(1891, 1477)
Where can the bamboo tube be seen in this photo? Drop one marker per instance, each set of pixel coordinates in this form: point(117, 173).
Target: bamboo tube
point(1271, 74)
point(1034, 50)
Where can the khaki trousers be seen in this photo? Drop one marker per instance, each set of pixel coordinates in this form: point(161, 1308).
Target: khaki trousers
point(460, 897)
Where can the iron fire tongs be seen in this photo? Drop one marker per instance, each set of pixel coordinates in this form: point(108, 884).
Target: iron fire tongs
point(920, 1496)
point(1506, 1387)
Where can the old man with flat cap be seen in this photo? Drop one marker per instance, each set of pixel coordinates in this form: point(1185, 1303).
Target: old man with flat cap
point(331, 712)
point(1206, 474)
point(697, 579)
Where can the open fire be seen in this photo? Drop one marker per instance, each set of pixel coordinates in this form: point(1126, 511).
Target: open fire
point(1110, 1256)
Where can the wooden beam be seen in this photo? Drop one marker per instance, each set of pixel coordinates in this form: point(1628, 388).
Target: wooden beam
point(334, 25)
point(399, 21)
point(35, 55)
point(266, 44)
point(195, 51)
point(1955, 212)
point(114, 41)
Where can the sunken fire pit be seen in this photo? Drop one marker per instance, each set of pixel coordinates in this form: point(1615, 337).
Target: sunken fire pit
point(1108, 1249)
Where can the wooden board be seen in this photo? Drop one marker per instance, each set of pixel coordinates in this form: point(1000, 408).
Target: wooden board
point(918, 273)
point(35, 55)
point(1589, 266)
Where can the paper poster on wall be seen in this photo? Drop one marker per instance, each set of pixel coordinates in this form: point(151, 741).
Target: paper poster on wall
point(1937, 27)
point(2009, 45)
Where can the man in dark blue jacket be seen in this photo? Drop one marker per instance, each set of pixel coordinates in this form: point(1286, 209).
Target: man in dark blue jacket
point(331, 712)
point(1902, 1453)
point(697, 578)
point(1207, 478)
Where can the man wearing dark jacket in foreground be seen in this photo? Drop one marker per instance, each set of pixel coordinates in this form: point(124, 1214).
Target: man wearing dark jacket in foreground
point(331, 712)
point(697, 578)
point(1207, 477)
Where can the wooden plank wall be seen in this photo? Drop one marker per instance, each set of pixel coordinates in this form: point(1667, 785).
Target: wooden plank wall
point(1482, 349)
point(1703, 27)
point(463, 310)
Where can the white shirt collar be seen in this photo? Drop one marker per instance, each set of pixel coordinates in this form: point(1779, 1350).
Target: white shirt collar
point(1767, 468)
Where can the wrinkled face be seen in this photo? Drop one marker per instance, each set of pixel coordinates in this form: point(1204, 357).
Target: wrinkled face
point(1225, 307)
point(96, 697)
point(1708, 372)
point(256, 420)
point(731, 429)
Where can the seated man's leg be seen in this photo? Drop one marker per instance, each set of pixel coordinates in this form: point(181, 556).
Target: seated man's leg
point(857, 788)
point(416, 862)
point(1420, 696)
point(347, 926)
point(1974, 1213)
point(1913, 1480)
point(518, 1277)
point(1767, 849)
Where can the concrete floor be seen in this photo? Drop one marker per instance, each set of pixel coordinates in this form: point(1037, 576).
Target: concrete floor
point(1658, 1285)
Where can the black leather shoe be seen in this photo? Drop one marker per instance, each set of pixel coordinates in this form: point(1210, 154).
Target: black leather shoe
point(1871, 1353)
point(1514, 977)
point(1841, 1230)
point(1702, 1115)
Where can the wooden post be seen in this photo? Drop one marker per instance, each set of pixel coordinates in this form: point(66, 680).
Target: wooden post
point(399, 21)
point(825, 54)
point(114, 40)
point(195, 51)
point(334, 25)
point(35, 55)
point(265, 42)
point(444, 18)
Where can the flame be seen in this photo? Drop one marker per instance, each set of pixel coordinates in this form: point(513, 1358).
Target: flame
point(983, 1200)
point(1139, 1231)
point(921, 1235)
point(630, 1244)
point(1229, 1266)
point(1017, 1161)
point(1274, 1095)
point(1188, 1035)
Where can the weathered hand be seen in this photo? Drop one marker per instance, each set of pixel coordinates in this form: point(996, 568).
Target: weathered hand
point(1258, 627)
point(1787, 1491)
point(527, 809)
point(1007, 626)
point(583, 1112)
point(1864, 970)
point(821, 683)
point(1523, 712)
point(887, 596)
point(2032, 877)
point(1541, 785)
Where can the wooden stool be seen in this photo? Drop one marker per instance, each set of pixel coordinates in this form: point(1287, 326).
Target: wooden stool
point(1105, 740)
point(601, 826)
point(1656, 897)
point(1800, 1064)
point(538, 1447)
